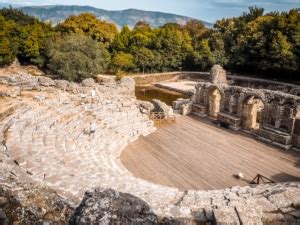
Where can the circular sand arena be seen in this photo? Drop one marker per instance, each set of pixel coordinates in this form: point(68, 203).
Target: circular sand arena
point(193, 153)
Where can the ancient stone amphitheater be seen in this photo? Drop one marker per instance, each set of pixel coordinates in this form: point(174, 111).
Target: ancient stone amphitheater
point(46, 140)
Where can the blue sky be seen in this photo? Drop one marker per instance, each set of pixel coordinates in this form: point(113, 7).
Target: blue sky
point(208, 10)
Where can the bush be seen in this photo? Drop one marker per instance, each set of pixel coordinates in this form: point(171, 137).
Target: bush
point(77, 57)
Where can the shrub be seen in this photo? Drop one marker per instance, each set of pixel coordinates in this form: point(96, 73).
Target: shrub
point(76, 57)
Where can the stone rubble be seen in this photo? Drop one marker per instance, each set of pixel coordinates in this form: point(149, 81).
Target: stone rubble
point(160, 106)
point(29, 204)
point(43, 142)
point(183, 106)
point(112, 207)
point(145, 107)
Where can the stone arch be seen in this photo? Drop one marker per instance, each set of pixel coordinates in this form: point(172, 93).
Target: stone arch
point(214, 101)
point(252, 109)
point(257, 95)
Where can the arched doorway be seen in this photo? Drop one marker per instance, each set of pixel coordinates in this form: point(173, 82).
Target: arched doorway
point(252, 110)
point(214, 102)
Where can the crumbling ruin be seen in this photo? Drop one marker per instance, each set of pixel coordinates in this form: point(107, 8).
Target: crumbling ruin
point(218, 75)
point(271, 116)
point(43, 142)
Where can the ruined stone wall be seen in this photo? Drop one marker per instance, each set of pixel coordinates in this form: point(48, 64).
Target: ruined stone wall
point(233, 80)
point(264, 84)
point(272, 115)
point(145, 79)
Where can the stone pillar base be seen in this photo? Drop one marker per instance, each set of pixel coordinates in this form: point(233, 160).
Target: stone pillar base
point(285, 147)
point(233, 121)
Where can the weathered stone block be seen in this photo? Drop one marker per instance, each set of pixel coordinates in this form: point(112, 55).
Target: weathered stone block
point(218, 75)
point(233, 121)
point(249, 214)
point(269, 218)
point(46, 81)
point(88, 82)
point(186, 109)
point(263, 203)
point(225, 215)
point(106, 79)
point(199, 110)
point(272, 135)
point(286, 198)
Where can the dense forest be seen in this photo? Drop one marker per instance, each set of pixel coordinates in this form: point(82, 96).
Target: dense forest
point(83, 45)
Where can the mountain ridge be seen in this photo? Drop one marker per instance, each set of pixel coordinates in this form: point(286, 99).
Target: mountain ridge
point(58, 13)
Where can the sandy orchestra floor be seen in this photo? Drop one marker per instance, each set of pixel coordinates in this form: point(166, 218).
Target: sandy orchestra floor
point(193, 153)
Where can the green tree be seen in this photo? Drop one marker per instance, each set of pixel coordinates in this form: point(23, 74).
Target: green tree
point(144, 58)
point(122, 40)
point(33, 43)
point(281, 57)
point(142, 26)
point(27, 38)
point(253, 14)
point(195, 29)
point(76, 57)
point(8, 43)
point(18, 16)
point(157, 63)
point(122, 62)
point(217, 46)
point(88, 24)
point(141, 35)
point(173, 44)
point(203, 55)
point(260, 43)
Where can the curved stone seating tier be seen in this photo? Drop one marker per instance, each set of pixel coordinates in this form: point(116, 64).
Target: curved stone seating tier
point(46, 142)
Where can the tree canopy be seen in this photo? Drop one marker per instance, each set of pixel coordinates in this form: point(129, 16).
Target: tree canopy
point(22, 36)
point(258, 42)
point(76, 57)
point(87, 24)
point(84, 45)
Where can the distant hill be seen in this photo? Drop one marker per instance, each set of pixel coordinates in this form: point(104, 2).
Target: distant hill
point(58, 13)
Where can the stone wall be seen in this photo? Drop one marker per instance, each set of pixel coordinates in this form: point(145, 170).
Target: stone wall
point(270, 115)
point(145, 79)
point(257, 83)
point(233, 80)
